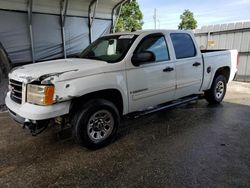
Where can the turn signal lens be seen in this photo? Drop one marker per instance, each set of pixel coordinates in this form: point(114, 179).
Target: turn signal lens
point(49, 94)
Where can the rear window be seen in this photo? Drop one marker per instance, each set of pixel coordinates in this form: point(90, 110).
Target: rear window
point(183, 45)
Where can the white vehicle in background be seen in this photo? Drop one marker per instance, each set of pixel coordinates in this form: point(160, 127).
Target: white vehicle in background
point(119, 74)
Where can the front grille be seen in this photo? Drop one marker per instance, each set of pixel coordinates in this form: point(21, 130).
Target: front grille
point(16, 91)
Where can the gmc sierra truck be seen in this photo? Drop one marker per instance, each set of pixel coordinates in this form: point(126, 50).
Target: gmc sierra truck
point(118, 74)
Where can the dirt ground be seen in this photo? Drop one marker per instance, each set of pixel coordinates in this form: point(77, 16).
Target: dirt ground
point(195, 145)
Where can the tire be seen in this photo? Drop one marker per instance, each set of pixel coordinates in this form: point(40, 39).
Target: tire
point(217, 91)
point(1, 75)
point(95, 125)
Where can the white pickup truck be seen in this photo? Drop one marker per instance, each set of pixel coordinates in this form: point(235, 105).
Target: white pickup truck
point(118, 74)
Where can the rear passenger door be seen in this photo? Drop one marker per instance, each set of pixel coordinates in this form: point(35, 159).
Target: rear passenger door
point(189, 67)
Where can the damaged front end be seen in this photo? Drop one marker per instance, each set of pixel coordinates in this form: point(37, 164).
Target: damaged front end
point(37, 92)
point(36, 127)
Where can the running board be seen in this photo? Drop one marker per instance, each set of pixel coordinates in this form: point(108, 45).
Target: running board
point(165, 106)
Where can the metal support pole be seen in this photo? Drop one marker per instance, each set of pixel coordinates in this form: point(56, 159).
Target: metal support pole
point(91, 20)
point(208, 39)
point(64, 8)
point(113, 23)
point(30, 7)
point(117, 17)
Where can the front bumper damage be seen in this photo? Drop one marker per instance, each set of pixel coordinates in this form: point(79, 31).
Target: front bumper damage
point(33, 116)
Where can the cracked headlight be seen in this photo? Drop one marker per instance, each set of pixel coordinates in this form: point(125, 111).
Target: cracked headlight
point(40, 94)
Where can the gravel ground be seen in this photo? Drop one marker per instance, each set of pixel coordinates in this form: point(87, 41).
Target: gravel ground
point(195, 145)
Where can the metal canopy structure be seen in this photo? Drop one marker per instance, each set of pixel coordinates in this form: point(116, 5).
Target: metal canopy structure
point(37, 30)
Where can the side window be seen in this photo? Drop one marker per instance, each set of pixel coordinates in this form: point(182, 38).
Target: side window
point(183, 45)
point(155, 44)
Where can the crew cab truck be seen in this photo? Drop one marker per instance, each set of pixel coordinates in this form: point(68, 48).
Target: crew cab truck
point(117, 75)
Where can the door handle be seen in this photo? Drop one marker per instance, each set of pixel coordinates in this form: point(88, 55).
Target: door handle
point(168, 69)
point(196, 64)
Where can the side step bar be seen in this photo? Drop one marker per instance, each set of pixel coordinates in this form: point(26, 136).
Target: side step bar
point(165, 106)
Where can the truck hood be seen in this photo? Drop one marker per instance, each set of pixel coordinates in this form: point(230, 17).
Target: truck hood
point(62, 68)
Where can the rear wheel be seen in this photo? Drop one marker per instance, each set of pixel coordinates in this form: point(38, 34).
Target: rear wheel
point(218, 90)
point(95, 124)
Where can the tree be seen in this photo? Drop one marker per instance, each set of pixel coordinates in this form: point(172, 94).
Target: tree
point(130, 17)
point(187, 20)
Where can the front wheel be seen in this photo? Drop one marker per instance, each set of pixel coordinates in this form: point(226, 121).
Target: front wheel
point(217, 91)
point(95, 124)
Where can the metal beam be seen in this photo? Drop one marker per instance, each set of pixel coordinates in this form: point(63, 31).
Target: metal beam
point(113, 23)
point(91, 20)
point(64, 8)
point(30, 8)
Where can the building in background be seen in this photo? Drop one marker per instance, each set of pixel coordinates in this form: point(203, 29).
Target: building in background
point(229, 36)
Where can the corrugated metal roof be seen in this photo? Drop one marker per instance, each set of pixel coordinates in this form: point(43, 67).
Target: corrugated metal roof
point(75, 7)
point(223, 27)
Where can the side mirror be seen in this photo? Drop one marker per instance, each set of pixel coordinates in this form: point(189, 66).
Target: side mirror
point(142, 57)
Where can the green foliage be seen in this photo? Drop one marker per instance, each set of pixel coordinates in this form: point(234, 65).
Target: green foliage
point(187, 20)
point(130, 18)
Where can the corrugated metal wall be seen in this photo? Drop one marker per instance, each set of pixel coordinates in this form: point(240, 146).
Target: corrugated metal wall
point(228, 36)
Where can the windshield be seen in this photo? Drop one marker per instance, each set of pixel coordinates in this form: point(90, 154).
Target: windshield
point(109, 48)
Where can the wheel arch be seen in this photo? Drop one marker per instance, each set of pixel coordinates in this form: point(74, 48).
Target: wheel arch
point(112, 95)
point(225, 71)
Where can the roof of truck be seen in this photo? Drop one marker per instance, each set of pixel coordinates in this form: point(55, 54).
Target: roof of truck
point(149, 31)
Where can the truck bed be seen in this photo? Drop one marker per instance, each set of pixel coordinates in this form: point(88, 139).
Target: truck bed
point(215, 59)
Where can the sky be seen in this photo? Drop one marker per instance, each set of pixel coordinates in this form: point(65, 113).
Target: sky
point(208, 12)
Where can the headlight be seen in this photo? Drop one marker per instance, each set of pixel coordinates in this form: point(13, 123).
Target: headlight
point(40, 94)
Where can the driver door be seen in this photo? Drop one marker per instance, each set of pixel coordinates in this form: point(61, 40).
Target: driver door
point(151, 83)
